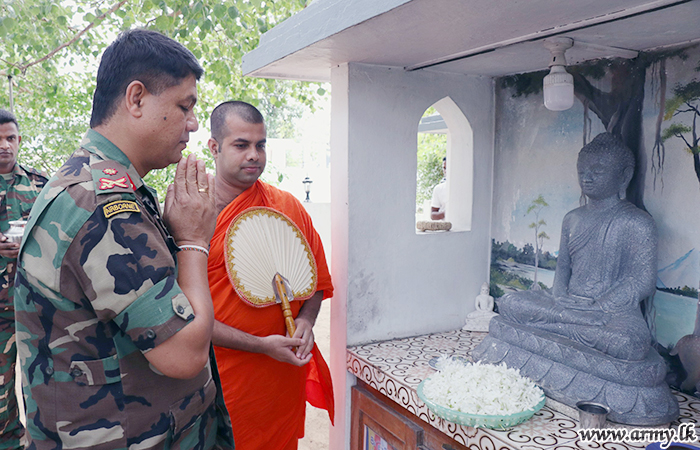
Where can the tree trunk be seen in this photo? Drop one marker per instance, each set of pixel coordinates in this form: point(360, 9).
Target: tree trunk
point(620, 111)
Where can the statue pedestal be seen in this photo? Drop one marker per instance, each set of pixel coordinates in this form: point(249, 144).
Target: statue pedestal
point(635, 391)
point(477, 323)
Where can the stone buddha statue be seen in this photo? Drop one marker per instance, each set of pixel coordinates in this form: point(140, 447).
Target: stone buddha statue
point(606, 264)
point(586, 338)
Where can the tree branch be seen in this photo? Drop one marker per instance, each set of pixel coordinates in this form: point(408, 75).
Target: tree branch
point(24, 68)
point(598, 101)
point(680, 135)
point(693, 108)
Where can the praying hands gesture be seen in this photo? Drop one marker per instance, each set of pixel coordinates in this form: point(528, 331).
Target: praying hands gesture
point(190, 213)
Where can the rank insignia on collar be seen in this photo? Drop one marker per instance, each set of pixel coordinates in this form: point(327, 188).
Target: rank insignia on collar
point(106, 183)
point(109, 171)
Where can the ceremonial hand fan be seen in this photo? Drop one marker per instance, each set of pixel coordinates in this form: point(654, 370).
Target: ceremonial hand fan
point(261, 243)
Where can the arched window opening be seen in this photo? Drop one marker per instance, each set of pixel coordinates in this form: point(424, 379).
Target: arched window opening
point(444, 140)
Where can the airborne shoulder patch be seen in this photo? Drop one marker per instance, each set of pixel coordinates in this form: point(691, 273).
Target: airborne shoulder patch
point(119, 206)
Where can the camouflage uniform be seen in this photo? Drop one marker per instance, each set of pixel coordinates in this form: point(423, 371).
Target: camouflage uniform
point(16, 199)
point(96, 289)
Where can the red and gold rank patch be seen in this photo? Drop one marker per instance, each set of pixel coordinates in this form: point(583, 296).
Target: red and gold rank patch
point(106, 183)
point(109, 171)
point(119, 206)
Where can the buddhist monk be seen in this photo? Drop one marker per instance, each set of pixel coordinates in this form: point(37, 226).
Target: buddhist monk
point(606, 264)
point(267, 377)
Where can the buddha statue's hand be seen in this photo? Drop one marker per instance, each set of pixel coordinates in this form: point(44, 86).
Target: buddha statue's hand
point(577, 303)
point(579, 317)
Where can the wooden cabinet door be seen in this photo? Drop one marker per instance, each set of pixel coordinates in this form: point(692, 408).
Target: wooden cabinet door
point(374, 425)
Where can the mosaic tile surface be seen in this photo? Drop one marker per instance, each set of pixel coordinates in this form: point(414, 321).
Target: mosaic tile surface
point(395, 368)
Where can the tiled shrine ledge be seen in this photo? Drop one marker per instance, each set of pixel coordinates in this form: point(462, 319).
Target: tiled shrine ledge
point(395, 368)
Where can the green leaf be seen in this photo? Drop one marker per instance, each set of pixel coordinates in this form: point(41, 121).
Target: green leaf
point(219, 10)
point(89, 17)
point(8, 23)
point(233, 12)
point(320, 91)
point(162, 22)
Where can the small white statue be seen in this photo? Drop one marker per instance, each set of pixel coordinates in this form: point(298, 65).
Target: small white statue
point(478, 320)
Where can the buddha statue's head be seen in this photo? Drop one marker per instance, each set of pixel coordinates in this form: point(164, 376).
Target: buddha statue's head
point(605, 167)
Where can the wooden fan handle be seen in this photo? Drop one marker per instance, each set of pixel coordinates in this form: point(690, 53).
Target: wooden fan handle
point(286, 308)
point(288, 319)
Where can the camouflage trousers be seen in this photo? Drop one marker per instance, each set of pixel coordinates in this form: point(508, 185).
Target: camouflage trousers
point(11, 429)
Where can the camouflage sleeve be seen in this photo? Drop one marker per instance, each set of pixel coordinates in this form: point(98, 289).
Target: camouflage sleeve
point(120, 260)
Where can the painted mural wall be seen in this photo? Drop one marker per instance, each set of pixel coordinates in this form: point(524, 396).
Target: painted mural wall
point(535, 179)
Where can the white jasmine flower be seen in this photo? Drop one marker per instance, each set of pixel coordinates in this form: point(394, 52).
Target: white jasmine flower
point(482, 389)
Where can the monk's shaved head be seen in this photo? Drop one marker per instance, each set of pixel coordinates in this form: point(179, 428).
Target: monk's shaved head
point(245, 111)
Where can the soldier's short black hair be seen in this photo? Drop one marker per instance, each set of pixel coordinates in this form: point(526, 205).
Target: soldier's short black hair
point(245, 111)
point(150, 57)
point(7, 117)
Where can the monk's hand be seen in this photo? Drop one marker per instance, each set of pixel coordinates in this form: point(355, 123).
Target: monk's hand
point(190, 212)
point(8, 249)
point(281, 348)
point(305, 332)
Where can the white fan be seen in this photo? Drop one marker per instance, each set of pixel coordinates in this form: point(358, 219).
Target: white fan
point(261, 243)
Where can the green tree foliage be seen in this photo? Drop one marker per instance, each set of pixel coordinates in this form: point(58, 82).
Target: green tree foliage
point(509, 253)
point(505, 251)
point(685, 291)
point(431, 149)
point(51, 51)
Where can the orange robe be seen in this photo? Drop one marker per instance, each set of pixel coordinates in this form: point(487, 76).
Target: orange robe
point(266, 398)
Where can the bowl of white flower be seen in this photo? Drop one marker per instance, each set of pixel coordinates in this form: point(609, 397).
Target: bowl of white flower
point(480, 395)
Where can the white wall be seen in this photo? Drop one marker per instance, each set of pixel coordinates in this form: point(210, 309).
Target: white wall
point(321, 216)
point(399, 283)
point(389, 281)
point(342, 380)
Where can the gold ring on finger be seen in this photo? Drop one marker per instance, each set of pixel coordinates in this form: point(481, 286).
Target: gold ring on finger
point(203, 190)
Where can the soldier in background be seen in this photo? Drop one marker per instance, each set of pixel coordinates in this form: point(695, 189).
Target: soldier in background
point(19, 187)
point(114, 315)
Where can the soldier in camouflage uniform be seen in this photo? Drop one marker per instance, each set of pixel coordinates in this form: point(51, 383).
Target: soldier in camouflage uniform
point(19, 187)
point(113, 319)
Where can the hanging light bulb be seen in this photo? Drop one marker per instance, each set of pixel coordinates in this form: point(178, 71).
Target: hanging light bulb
point(558, 86)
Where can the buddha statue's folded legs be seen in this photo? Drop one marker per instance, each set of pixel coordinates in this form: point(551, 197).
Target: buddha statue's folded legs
point(624, 335)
